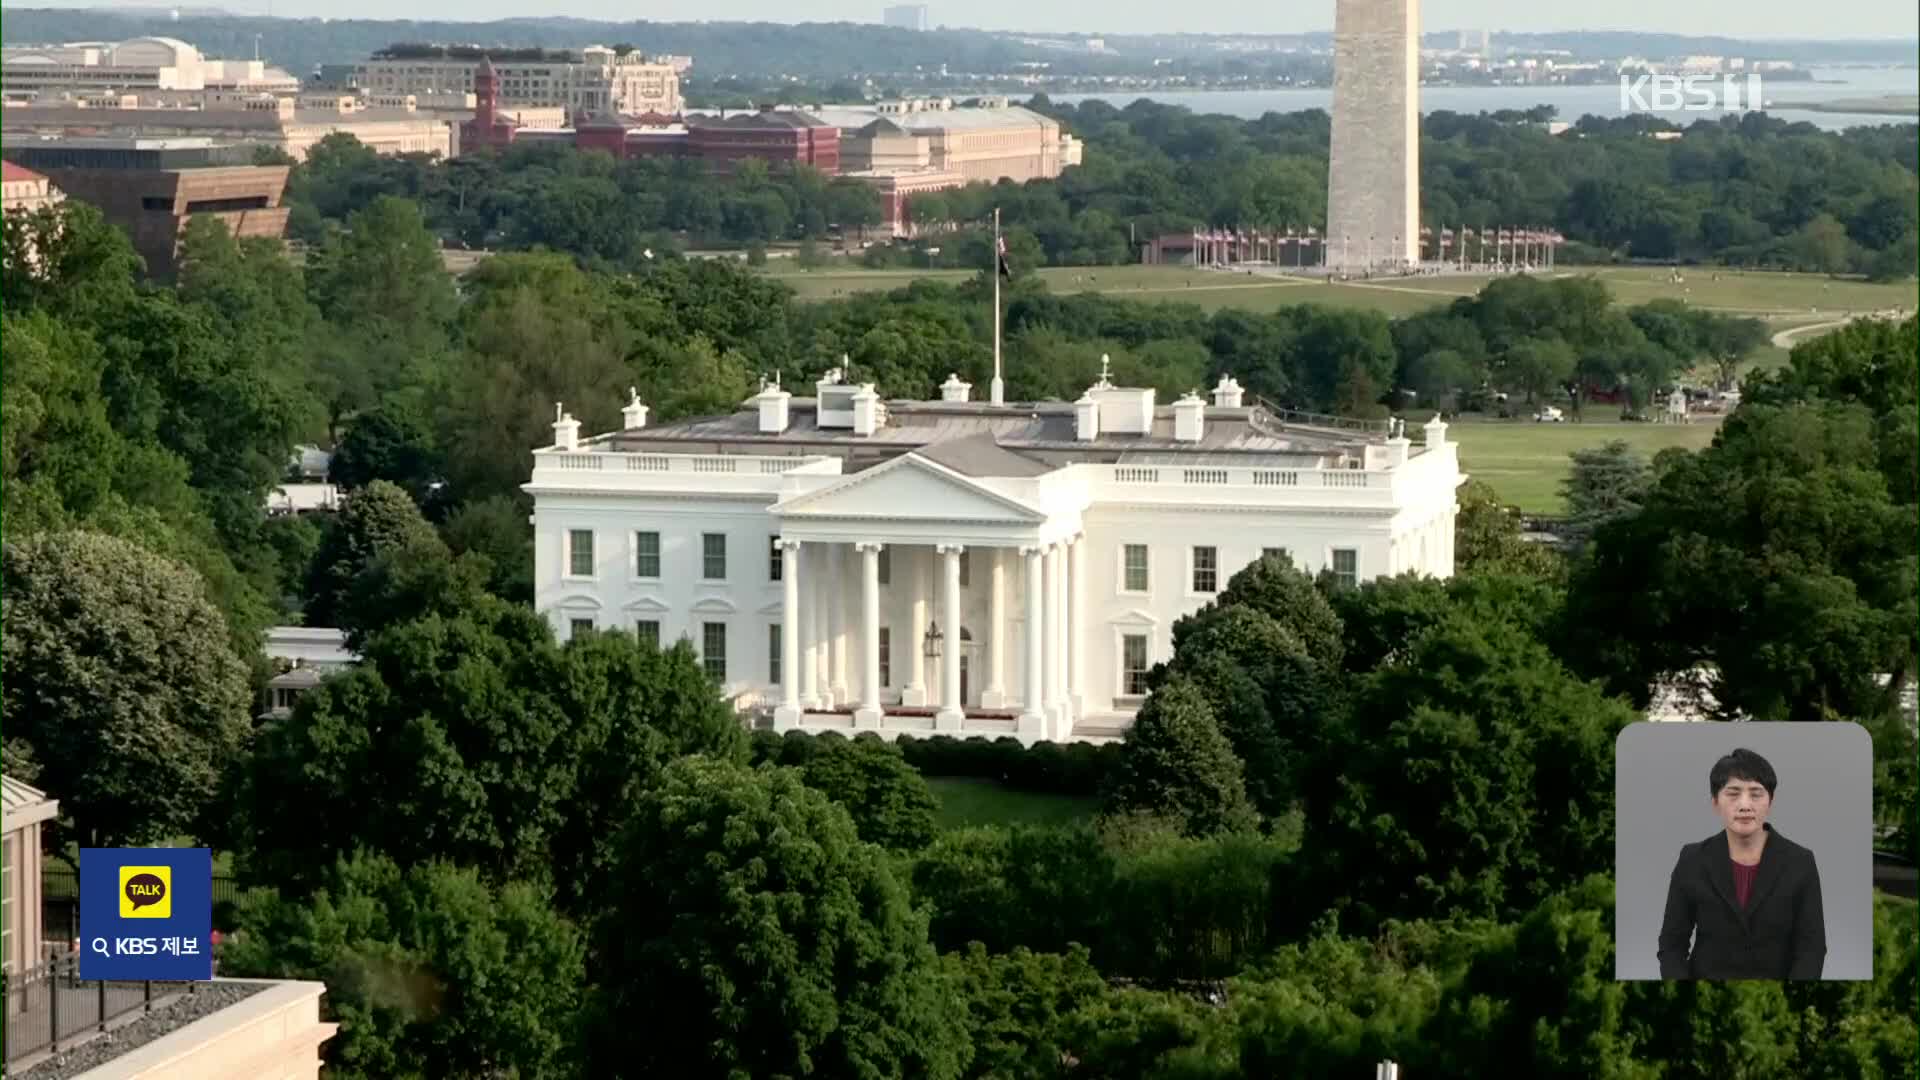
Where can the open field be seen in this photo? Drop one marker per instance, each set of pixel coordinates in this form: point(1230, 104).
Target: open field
point(1525, 461)
point(965, 801)
point(1774, 295)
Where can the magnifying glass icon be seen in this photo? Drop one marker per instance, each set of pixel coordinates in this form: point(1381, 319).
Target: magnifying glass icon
point(100, 946)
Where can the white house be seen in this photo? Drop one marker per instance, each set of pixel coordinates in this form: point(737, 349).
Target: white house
point(957, 566)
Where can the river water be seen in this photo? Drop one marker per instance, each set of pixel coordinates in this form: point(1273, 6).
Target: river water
point(1573, 102)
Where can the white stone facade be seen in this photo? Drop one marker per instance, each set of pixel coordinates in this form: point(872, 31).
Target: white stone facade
point(815, 544)
point(1373, 173)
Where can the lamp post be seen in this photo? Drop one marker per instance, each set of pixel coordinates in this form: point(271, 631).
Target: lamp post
point(932, 644)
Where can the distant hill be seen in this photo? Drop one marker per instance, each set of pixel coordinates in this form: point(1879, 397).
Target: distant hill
point(820, 50)
point(719, 49)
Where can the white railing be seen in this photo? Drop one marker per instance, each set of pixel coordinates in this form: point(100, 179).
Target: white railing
point(1326, 479)
point(742, 465)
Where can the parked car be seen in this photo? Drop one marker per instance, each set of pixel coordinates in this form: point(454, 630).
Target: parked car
point(1549, 414)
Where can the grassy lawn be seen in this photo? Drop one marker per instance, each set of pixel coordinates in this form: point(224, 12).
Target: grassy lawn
point(1525, 461)
point(966, 801)
point(1787, 296)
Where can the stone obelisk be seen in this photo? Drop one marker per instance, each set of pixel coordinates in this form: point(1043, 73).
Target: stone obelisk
point(1373, 175)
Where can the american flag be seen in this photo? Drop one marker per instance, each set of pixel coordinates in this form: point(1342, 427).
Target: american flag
point(1000, 257)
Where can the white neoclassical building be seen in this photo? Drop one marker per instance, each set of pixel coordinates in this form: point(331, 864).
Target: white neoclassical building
point(956, 566)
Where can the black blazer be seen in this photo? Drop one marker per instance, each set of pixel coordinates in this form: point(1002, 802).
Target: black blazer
point(1782, 934)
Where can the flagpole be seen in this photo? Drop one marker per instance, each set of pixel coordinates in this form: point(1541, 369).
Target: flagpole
point(999, 387)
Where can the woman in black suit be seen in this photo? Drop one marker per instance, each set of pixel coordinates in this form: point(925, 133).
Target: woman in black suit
point(1747, 898)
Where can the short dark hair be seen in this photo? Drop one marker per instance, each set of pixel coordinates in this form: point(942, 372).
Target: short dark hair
point(1742, 764)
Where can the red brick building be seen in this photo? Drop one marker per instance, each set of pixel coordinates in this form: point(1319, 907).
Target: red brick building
point(488, 127)
point(777, 137)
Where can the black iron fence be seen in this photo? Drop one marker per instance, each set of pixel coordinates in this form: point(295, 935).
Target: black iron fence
point(48, 1007)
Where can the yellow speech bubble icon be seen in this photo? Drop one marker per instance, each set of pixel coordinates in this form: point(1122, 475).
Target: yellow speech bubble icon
point(146, 892)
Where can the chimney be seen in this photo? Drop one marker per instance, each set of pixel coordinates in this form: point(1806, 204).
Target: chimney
point(866, 410)
point(634, 416)
point(773, 407)
point(955, 390)
point(1086, 418)
point(1394, 451)
point(566, 430)
point(1189, 418)
point(1226, 395)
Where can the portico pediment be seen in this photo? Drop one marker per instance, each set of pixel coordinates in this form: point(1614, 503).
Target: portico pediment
point(910, 488)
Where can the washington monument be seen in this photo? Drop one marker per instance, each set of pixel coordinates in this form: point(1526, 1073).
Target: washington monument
point(1373, 176)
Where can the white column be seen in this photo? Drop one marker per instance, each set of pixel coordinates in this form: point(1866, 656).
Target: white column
point(906, 569)
point(995, 694)
point(952, 709)
point(1050, 700)
point(839, 634)
point(868, 714)
point(1033, 718)
point(788, 714)
point(809, 673)
point(1075, 632)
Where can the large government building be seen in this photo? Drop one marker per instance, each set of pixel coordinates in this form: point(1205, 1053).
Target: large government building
point(856, 564)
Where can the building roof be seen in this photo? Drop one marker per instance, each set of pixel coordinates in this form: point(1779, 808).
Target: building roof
point(767, 118)
point(1246, 436)
point(980, 455)
point(22, 805)
point(12, 173)
point(929, 121)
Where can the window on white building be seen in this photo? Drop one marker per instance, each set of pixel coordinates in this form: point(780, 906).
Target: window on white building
point(646, 554)
point(579, 627)
point(580, 552)
point(713, 650)
point(1134, 569)
point(774, 654)
point(713, 556)
point(1346, 566)
point(1206, 569)
point(648, 631)
point(886, 567)
point(1133, 665)
point(1282, 554)
point(773, 561)
point(886, 656)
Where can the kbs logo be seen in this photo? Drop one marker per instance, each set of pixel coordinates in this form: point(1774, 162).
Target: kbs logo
point(146, 892)
point(1691, 93)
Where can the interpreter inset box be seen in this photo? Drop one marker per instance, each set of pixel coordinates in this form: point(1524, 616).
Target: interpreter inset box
point(1743, 851)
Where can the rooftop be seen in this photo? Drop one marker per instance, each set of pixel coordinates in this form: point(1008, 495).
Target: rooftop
point(927, 121)
point(17, 173)
point(23, 804)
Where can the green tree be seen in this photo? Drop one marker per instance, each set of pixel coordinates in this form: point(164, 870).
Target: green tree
point(1487, 536)
point(1606, 483)
point(475, 738)
point(1776, 557)
point(377, 520)
point(1019, 1005)
point(430, 971)
point(1464, 771)
point(496, 527)
point(119, 677)
point(393, 443)
point(760, 936)
point(1178, 765)
point(888, 800)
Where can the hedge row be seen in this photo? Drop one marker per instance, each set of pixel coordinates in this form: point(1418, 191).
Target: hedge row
point(1044, 768)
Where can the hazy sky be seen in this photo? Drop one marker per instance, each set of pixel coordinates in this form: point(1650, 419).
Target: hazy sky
point(1739, 18)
